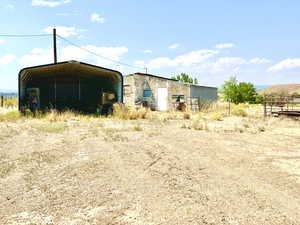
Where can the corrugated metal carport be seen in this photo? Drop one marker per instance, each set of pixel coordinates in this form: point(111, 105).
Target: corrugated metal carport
point(72, 85)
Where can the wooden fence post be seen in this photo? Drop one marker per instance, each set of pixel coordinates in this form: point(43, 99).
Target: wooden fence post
point(265, 108)
point(229, 109)
point(2, 101)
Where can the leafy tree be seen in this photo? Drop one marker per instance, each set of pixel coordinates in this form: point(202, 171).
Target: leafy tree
point(247, 92)
point(237, 92)
point(229, 90)
point(259, 99)
point(183, 77)
point(295, 94)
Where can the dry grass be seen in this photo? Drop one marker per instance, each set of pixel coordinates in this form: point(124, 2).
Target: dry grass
point(10, 102)
point(239, 112)
point(53, 127)
point(55, 116)
point(10, 116)
point(6, 166)
point(196, 125)
point(127, 113)
point(153, 168)
point(212, 111)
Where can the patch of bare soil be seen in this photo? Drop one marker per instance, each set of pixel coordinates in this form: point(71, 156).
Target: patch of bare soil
point(106, 171)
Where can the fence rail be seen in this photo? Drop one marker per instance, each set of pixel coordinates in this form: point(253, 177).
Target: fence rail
point(192, 104)
point(288, 105)
point(8, 101)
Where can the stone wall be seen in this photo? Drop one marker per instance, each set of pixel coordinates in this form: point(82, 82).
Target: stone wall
point(144, 82)
point(129, 91)
point(136, 84)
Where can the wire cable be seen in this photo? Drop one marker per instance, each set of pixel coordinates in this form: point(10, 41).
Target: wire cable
point(25, 35)
point(72, 43)
point(100, 56)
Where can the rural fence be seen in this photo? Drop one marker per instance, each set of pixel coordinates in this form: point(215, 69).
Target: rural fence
point(288, 105)
point(8, 101)
point(190, 103)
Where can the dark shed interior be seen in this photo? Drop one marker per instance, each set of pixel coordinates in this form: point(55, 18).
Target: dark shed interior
point(70, 85)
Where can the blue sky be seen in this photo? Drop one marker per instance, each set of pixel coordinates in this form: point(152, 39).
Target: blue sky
point(257, 41)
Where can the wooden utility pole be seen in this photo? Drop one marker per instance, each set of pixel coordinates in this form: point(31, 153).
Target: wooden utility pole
point(55, 61)
point(54, 46)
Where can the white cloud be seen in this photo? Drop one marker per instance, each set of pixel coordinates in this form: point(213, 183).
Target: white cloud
point(7, 59)
point(259, 61)
point(96, 18)
point(285, 65)
point(49, 3)
point(157, 63)
point(174, 46)
point(224, 64)
point(2, 41)
point(148, 51)
point(37, 51)
point(63, 31)
point(206, 65)
point(186, 60)
point(40, 56)
point(114, 53)
point(225, 45)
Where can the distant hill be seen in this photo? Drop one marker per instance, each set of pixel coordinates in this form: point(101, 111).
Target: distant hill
point(260, 87)
point(289, 88)
point(8, 92)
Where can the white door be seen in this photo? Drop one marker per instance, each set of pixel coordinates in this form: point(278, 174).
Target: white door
point(162, 99)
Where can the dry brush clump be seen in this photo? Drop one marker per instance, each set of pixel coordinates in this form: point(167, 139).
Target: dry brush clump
point(196, 125)
point(224, 109)
point(49, 116)
point(239, 112)
point(67, 115)
point(129, 113)
point(220, 107)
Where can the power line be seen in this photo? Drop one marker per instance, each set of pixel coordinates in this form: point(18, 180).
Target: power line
point(72, 43)
point(100, 56)
point(25, 35)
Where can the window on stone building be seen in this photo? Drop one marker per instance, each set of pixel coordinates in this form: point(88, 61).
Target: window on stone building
point(147, 93)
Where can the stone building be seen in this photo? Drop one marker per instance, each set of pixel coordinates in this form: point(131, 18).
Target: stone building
point(163, 94)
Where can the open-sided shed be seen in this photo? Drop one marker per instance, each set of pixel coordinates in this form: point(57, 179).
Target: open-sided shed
point(70, 85)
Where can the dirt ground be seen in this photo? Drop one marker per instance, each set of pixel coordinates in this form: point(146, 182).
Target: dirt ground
point(108, 171)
